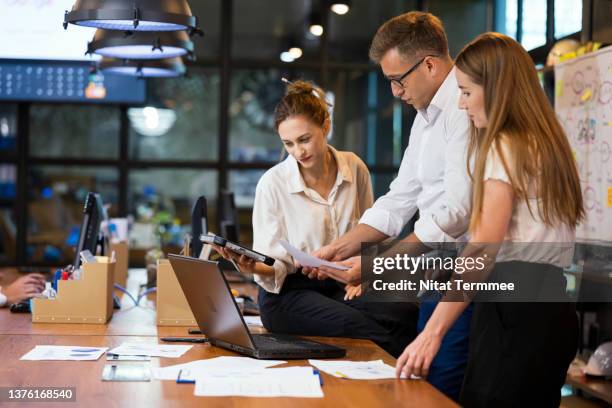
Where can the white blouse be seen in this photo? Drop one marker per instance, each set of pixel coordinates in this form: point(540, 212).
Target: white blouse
point(286, 209)
point(528, 238)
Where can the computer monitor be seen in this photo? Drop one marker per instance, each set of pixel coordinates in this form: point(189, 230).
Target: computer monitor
point(199, 225)
point(228, 217)
point(89, 237)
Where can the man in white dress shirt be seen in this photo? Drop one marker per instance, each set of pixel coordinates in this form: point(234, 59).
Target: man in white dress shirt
point(412, 51)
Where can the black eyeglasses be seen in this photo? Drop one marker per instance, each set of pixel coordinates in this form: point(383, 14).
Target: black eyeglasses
point(398, 81)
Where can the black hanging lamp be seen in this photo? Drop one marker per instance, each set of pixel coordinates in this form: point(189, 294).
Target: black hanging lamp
point(141, 45)
point(133, 15)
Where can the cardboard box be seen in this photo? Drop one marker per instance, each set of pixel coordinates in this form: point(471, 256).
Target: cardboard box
point(172, 306)
point(85, 300)
point(122, 256)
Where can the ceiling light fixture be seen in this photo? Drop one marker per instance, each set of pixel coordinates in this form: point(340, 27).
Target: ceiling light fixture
point(126, 15)
point(141, 45)
point(296, 52)
point(160, 68)
point(341, 7)
point(315, 24)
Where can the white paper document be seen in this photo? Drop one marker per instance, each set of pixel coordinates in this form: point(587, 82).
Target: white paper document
point(253, 321)
point(79, 353)
point(269, 382)
point(308, 260)
point(189, 371)
point(356, 370)
point(153, 350)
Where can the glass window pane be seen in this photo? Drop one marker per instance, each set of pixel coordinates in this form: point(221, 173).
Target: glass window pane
point(161, 200)
point(8, 227)
point(462, 19)
point(506, 17)
point(8, 128)
point(367, 119)
point(381, 182)
point(264, 29)
point(568, 17)
point(243, 183)
point(350, 34)
point(74, 131)
point(534, 24)
point(55, 208)
point(181, 121)
point(253, 97)
point(209, 20)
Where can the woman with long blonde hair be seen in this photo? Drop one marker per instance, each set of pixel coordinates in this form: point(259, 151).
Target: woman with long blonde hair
point(526, 202)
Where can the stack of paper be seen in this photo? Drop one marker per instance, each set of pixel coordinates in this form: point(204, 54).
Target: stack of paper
point(81, 353)
point(153, 350)
point(356, 370)
point(189, 371)
point(259, 382)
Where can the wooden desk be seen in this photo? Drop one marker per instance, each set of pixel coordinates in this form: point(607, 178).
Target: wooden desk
point(18, 335)
point(92, 391)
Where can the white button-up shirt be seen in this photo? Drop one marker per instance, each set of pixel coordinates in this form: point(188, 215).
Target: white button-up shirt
point(433, 174)
point(286, 209)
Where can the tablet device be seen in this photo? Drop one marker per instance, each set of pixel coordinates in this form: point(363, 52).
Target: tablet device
point(239, 249)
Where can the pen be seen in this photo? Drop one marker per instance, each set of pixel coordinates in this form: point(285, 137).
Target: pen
point(318, 373)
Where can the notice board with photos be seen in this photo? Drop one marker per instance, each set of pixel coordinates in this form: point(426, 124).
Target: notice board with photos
point(583, 103)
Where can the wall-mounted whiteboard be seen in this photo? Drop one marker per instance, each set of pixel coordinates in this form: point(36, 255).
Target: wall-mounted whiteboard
point(583, 102)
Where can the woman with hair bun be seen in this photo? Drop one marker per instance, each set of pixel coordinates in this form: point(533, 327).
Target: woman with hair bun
point(310, 199)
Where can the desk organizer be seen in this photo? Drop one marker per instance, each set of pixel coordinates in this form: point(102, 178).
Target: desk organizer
point(122, 255)
point(172, 306)
point(85, 300)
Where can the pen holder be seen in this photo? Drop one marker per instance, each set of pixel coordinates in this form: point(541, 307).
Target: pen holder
point(122, 256)
point(85, 300)
point(172, 306)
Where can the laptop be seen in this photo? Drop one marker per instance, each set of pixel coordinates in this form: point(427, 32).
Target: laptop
point(217, 314)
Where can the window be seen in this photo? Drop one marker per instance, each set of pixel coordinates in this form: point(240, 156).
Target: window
point(55, 208)
point(74, 131)
point(506, 17)
point(253, 97)
point(534, 24)
point(181, 121)
point(161, 200)
point(463, 20)
point(568, 17)
point(8, 128)
point(367, 119)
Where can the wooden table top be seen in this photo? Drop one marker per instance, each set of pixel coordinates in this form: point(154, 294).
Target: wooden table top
point(92, 391)
point(18, 335)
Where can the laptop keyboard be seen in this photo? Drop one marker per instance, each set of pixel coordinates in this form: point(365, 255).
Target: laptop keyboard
point(270, 342)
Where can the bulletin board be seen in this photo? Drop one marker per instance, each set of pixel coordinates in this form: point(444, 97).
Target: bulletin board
point(583, 102)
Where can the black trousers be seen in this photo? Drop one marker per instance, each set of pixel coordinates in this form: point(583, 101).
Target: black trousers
point(520, 351)
point(317, 308)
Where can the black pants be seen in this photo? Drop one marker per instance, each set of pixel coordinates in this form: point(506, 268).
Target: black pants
point(520, 351)
point(317, 308)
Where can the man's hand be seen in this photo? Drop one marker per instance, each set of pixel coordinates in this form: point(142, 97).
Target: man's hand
point(351, 276)
point(24, 288)
point(418, 355)
point(328, 253)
